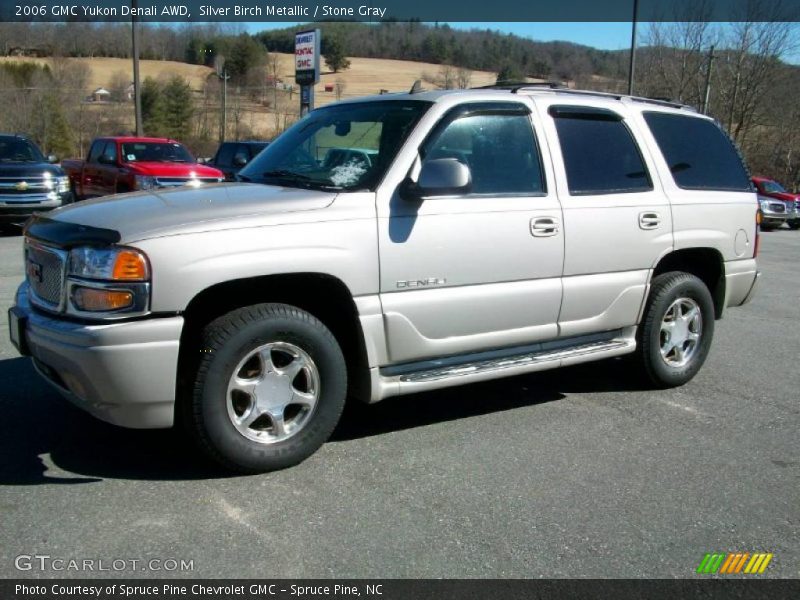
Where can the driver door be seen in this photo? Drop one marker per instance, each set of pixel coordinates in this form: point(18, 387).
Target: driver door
point(482, 270)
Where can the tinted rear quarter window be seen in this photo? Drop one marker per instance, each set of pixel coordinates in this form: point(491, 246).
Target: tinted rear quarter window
point(698, 153)
point(600, 153)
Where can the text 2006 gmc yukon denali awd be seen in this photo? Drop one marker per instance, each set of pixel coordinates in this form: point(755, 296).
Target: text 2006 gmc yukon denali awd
point(387, 246)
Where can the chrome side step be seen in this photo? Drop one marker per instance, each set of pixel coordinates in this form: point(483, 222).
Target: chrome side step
point(514, 361)
point(428, 376)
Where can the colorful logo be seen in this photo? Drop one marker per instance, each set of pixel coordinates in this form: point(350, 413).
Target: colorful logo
point(734, 563)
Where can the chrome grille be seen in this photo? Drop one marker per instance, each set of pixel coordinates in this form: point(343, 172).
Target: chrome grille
point(44, 272)
point(777, 207)
point(176, 181)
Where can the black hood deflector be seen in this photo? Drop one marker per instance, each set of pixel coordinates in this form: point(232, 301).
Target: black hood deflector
point(68, 235)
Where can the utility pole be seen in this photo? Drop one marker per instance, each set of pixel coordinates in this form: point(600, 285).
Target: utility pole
point(707, 93)
point(224, 116)
point(632, 64)
point(137, 88)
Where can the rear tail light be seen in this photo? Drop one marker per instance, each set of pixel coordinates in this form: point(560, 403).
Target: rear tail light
point(759, 218)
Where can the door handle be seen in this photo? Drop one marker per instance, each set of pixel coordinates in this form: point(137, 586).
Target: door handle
point(649, 220)
point(544, 226)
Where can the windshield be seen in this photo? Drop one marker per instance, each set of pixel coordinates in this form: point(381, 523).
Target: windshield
point(338, 147)
point(14, 149)
point(155, 152)
point(772, 187)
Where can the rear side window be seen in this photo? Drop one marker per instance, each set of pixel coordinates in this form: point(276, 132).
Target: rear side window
point(699, 155)
point(95, 151)
point(600, 154)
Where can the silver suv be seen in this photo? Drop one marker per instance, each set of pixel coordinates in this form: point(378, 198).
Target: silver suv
point(390, 245)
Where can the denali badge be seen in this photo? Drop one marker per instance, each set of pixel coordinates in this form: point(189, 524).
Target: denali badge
point(417, 283)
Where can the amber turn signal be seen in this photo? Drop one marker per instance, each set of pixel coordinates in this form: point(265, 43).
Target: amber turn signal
point(130, 266)
point(96, 300)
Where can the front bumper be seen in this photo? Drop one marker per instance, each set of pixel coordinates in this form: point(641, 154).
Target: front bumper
point(123, 373)
point(14, 210)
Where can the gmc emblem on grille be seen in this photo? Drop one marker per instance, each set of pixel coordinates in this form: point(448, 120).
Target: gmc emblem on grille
point(34, 271)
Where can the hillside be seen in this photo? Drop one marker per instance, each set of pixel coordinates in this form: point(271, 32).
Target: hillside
point(365, 75)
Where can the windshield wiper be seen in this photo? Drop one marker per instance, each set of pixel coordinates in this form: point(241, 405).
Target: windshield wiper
point(300, 178)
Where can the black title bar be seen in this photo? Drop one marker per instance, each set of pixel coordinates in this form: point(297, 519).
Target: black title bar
point(306, 11)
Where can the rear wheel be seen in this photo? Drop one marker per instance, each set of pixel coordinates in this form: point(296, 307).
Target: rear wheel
point(678, 326)
point(270, 388)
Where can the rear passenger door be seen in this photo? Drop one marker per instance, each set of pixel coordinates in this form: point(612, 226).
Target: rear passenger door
point(617, 220)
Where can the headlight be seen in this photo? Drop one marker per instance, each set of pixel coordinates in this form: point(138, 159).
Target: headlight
point(764, 204)
point(145, 182)
point(108, 282)
point(62, 184)
point(108, 264)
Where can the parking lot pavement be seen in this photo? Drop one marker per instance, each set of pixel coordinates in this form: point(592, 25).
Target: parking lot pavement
point(572, 473)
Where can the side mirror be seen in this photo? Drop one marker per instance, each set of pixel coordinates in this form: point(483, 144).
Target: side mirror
point(439, 177)
point(239, 161)
point(52, 159)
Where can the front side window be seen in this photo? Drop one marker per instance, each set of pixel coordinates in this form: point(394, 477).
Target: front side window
point(339, 147)
point(110, 151)
point(155, 152)
point(225, 155)
point(699, 155)
point(600, 153)
point(497, 145)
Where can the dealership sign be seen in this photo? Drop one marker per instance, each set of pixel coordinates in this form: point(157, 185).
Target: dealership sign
point(306, 57)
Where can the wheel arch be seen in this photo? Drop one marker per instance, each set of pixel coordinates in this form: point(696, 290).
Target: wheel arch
point(324, 296)
point(705, 263)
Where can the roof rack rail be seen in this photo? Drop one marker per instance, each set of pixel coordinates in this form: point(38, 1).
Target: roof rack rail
point(514, 86)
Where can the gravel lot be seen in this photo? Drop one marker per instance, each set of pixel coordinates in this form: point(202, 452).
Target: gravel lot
point(572, 473)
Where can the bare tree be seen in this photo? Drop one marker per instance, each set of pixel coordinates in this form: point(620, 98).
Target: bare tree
point(463, 78)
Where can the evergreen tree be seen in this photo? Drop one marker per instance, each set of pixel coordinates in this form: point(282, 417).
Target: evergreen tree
point(177, 108)
point(334, 54)
point(152, 107)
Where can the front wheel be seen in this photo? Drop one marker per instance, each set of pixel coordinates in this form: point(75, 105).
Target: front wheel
point(676, 332)
point(794, 225)
point(270, 388)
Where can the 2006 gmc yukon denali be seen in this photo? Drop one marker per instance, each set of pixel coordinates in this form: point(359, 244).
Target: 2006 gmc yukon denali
point(387, 246)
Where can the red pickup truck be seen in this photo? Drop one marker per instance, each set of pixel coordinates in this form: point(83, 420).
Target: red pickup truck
point(123, 164)
point(770, 190)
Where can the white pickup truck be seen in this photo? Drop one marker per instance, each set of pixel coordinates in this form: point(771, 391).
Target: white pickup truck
point(389, 245)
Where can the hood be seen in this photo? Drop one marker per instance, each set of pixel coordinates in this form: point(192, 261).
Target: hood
point(782, 196)
point(185, 210)
point(173, 169)
point(28, 169)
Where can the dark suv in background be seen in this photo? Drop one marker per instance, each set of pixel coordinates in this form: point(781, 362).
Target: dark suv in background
point(29, 181)
point(232, 156)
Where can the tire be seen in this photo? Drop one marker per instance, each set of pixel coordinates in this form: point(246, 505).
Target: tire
point(767, 227)
point(263, 345)
point(673, 294)
point(794, 225)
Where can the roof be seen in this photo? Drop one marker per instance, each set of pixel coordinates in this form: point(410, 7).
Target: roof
point(133, 139)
